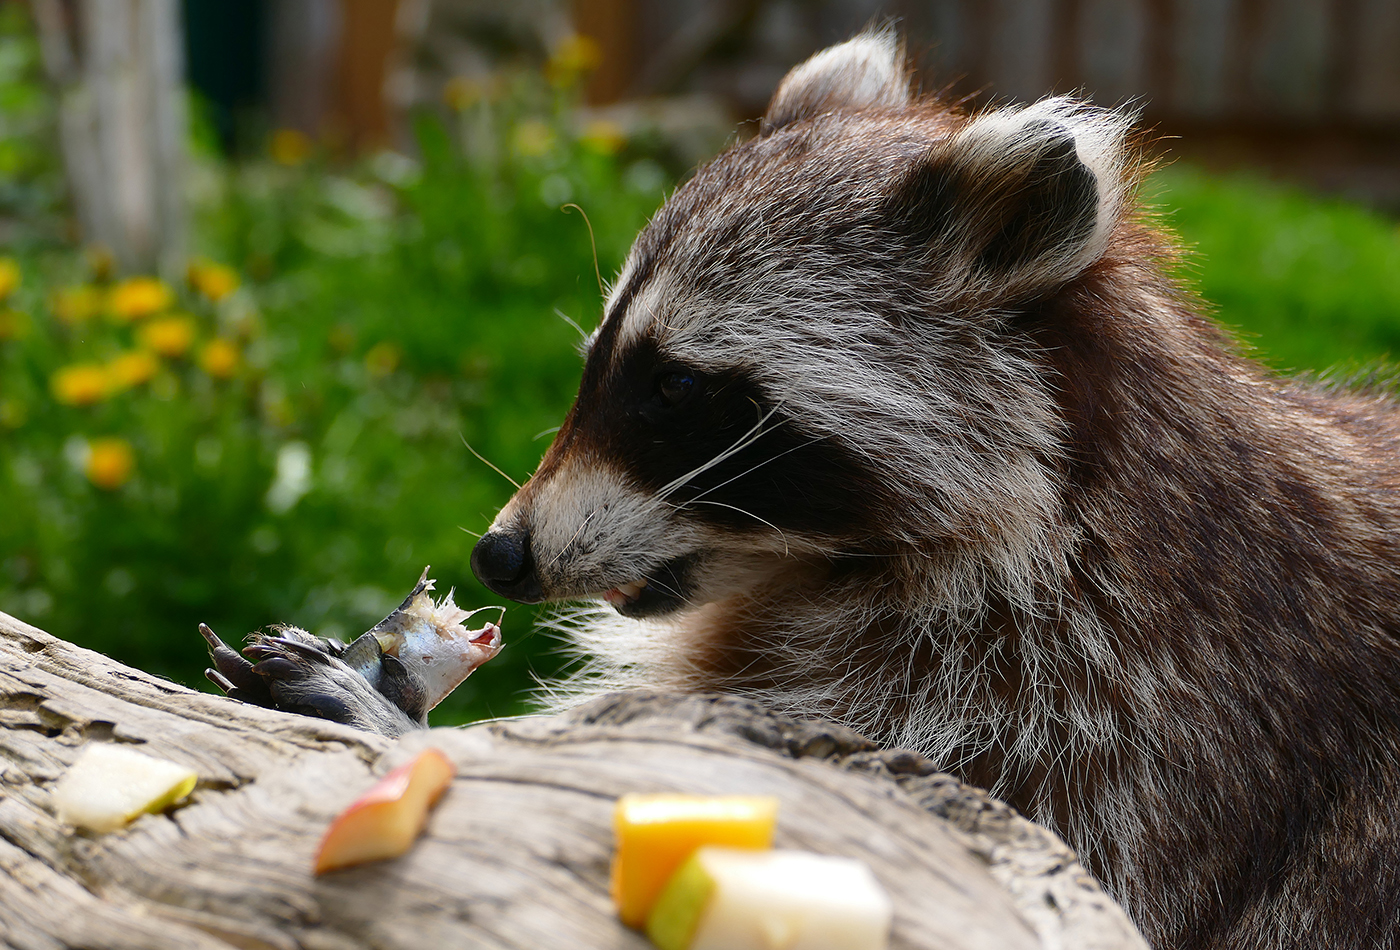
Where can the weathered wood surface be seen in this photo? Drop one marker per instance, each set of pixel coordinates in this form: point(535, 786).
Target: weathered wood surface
point(516, 855)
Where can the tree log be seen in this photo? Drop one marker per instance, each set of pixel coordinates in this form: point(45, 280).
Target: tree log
point(515, 856)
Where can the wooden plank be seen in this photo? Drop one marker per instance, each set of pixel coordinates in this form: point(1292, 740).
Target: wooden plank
point(1019, 56)
point(1374, 48)
point(1201, 85)
point(1113, 57)
point(1289, 68)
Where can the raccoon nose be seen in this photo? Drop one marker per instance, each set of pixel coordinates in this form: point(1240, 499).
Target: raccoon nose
point(501, 560)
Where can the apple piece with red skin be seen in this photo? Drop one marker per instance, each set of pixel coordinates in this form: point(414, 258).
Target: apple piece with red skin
point(386, 820)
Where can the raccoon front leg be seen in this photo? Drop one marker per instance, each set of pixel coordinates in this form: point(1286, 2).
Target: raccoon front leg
point(297, 672)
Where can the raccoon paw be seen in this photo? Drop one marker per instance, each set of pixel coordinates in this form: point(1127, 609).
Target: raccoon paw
point(296, 672)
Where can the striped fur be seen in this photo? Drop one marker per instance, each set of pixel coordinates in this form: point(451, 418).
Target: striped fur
point(904, 421)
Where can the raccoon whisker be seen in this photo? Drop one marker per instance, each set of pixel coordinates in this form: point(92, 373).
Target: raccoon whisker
point(741, 443)
point(653, 582)
point(720, 504)
point(753, 469)
point(571, 321)
point(493, 465)
point(592, 243)
point(567, 544)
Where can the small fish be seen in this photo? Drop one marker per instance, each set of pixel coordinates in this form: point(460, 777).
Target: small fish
point(430, 640)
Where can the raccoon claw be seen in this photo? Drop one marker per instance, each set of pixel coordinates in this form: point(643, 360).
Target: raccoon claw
point(232, 673)
point(296, 672)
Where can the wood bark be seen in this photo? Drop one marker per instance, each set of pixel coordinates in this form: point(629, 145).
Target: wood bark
point(515, 856)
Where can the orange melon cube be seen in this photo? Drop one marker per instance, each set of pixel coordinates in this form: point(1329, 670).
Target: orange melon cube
point(657, 833)
point(386, 820)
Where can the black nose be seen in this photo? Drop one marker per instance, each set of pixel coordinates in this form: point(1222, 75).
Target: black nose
point(501, 560)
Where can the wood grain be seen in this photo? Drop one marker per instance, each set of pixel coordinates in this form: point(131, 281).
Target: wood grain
point(515, 856)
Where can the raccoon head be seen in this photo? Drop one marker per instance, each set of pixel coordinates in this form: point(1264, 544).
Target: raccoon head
point(805, 357)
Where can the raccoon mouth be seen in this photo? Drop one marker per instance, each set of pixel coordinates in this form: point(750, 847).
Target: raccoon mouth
point(658, 592)
point(624, 594)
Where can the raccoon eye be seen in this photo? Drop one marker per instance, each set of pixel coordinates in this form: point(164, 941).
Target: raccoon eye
point(673, 388)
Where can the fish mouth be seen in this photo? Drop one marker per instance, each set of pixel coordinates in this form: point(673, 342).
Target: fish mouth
point(658, 592)
point(489, 636)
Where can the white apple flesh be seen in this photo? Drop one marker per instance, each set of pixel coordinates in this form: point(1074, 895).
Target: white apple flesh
point(736, 899)
point(108, 785)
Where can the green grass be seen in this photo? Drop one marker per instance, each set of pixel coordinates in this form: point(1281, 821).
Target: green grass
point(402, 311)
point(1312, 283)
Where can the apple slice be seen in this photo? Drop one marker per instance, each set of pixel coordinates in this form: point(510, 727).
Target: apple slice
point(386, 820)
point(108, 785)
point(656, 833)
point(732, 899)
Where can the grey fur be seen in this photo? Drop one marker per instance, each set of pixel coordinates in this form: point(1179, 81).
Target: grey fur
point(1089, 556)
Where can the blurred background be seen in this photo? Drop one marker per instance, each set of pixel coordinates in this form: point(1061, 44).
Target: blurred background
point(273, 272)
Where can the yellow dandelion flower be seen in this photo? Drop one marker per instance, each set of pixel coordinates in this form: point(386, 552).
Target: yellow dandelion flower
point(110, 463)
point(341, 338)
point(219, 358)
point(290, 147)
point(139, 297)
point(13, 324)
point(577, 54)
point(460, 93)
point(75, 304)
point(215, 281)
point(604, 137)
point(9, 276)
point(168, 336)
point(81, 384)
point(382, 359)
point(132, 369)
point(533, 138)
point(13, 413)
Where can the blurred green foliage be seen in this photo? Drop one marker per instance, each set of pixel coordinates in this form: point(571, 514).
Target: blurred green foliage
point(294, 447)
point(1312, 283)
point(396, 312)
point(31, 183)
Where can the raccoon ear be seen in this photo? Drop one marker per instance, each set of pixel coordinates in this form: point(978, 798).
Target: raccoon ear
point(1018, 201)
point(865, 72)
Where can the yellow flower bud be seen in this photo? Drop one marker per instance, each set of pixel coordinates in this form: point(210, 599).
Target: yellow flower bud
point(132, 369)
point(219, 358)
point(73, 305)
point(168, 336)
point(110, 463)
point(604, 137)
point(382, 359)
point(290, 147)
point(9, 276)
point(81, 384)
point(138, 297)
point(13, 324)
point(460, 93)
point(533, 138)
point(576, 55)
point(215, 281)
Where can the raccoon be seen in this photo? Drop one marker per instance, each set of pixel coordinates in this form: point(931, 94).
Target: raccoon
point(899, 416)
